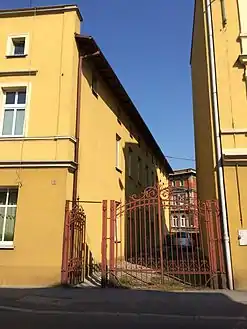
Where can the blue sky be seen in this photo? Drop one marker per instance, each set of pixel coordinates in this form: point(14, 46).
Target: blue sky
point(147, 42)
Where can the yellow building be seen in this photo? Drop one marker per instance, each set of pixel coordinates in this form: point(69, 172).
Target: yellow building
point(219, 81)
point(68, 129)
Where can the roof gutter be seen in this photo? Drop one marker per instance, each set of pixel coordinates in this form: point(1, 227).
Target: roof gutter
point(219, 160)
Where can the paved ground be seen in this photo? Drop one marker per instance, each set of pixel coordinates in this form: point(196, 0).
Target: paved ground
point(18, 320)
point(95, 308)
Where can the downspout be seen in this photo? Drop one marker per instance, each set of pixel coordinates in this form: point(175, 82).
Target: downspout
point(78, 119)
point(218, 144)
point(77, 128)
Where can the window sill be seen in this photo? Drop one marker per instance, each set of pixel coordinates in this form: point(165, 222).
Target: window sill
point(6, 246)
point(7, 137)
point(16, 56)
point(119, 170)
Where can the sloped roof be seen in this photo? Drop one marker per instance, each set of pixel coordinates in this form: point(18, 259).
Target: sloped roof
point(87, 45)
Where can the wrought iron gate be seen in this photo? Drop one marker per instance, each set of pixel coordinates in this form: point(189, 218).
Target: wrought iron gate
point(162, 238)
point(74, 248)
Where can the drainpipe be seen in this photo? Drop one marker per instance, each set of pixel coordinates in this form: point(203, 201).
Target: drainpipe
point(219, 165)
point(77, 128)
point(78, 118)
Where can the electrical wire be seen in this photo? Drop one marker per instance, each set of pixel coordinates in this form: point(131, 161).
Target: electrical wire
point(179, 158)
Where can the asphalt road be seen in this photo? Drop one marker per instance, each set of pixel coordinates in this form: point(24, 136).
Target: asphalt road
point(20, 320)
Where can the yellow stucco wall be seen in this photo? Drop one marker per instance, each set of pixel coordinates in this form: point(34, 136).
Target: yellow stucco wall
point(50, 113)
point(238, 252)
point(98, 177)
point(203, 126)
point(36, 257)
point(232, 104)
point(51, 93)
point(49, 136)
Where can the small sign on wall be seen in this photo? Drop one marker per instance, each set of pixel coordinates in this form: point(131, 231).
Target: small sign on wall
point(242, 237)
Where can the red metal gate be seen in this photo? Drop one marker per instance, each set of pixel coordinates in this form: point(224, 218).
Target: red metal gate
point(164, 239)
point(74, 248)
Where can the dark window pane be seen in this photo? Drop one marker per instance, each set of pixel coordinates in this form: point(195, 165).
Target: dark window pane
point(10, 98)
point(19, 47)
point(3, 195)
point(13, 197)
point(21, 97)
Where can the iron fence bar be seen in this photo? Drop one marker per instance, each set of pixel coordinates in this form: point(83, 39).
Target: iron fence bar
point(140, 234)
point(135, 236)
point(84, 248)
point(160, 236)
point(219, 237)
point(150, 234)
point(115, 237)
point(112, 239)
point(65, 252)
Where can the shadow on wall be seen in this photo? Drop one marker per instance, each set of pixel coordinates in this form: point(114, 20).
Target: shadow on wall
point(139, 168)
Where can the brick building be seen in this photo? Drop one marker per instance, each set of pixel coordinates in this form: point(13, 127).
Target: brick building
point(182, 211)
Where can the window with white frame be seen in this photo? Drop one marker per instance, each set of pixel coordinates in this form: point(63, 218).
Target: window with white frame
point(14, 112)
point(118, 149)
point(174, 222)
point(183, 221)
point(8, 204)
point(17, 46)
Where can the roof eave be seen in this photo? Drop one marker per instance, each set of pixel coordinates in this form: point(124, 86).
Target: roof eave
point(40, 10)
point(193, 29)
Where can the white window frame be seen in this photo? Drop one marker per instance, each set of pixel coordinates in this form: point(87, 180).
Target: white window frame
point(10, 45)
point(14, 87)
point(183, 220)
point(118, 153)
point(15, 107)
point(174, 222)
point(6, 244)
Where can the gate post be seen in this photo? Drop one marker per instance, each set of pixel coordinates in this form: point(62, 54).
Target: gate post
point(65, 252)
point(112, 239)
point(104, 245)
point(161, 237)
